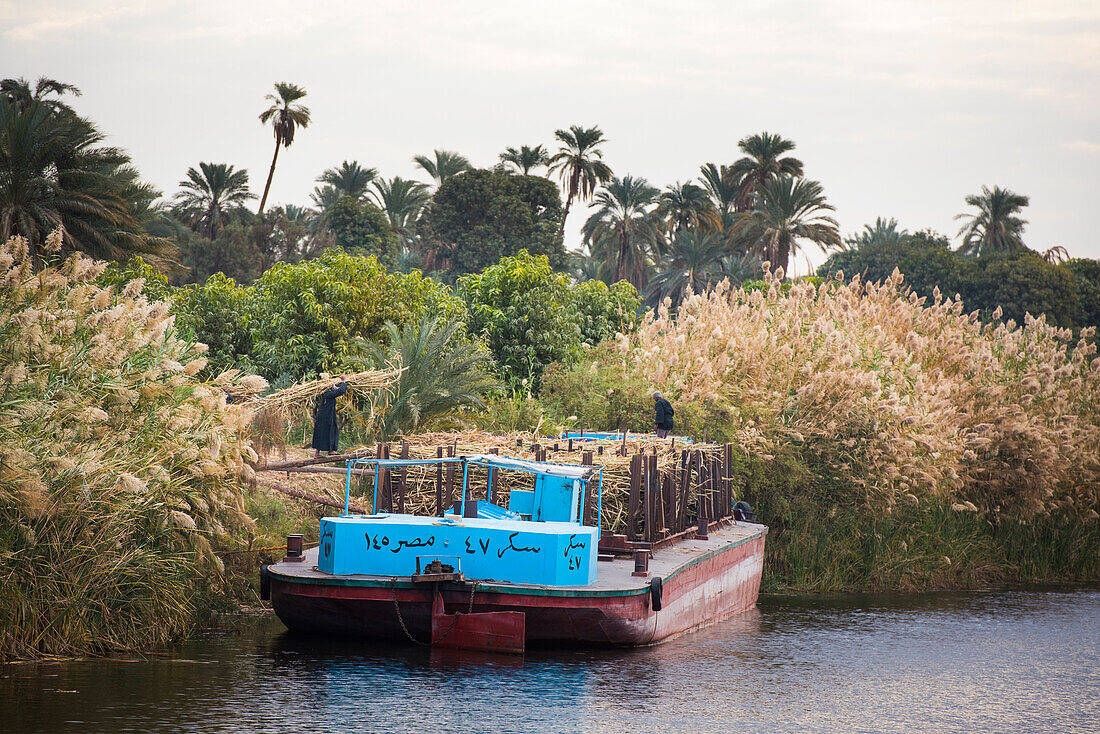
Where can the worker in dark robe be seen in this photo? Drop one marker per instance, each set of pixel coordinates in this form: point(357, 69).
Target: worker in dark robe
point(664, 415)
point(326, 431)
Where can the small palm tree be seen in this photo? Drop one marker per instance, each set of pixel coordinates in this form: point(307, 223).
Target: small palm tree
point(447, 163)
point(402, 200)
point(349, 179)
point(324, 197)
point(787, 211)
point(443, 374)
point(718, 183)
point(692, 263)
point(1056, 255)
point(764, 161)
point(685, 205)
point(623, 230)
point(882, 232)
point(995, 228)
point(526, 158)
point(580, 165)
point(212, 196)
point(285, 117)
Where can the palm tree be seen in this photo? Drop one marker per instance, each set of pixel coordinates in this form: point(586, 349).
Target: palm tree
point(54, 173)
point(692, 263)
point(718, 183)
point(995, 228)
point(525, 158)
point(623, 229)
point(402, 200)
point(788, 210)
point(212, 196)
point(442, 374)
point(882, 232)
point(286, 117)
point(580, 165)
point(349, 179)
point(685, 205)
point(20, 92)
point(763, 162)
point(447, 163)
point(324, 197)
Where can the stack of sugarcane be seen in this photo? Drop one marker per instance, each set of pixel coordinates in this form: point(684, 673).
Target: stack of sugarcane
point(420, 481)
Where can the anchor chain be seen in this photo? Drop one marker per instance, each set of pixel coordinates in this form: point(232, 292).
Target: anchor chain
point(401, 619)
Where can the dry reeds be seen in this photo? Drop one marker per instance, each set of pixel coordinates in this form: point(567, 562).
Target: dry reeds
point(901, 397)
point(120, 471)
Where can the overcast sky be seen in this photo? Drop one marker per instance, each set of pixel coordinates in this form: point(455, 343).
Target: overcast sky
point(900, 109)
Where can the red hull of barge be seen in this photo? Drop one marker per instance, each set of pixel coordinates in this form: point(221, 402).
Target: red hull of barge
point(716, 579)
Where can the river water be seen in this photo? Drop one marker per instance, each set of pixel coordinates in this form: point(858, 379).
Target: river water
point(999, 661)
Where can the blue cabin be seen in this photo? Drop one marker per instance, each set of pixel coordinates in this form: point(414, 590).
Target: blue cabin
point(539, 538)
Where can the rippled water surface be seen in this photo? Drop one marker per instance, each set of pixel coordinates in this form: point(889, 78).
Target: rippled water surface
point(1005, 661)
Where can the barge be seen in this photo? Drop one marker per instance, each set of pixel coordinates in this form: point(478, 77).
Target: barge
point(502, 578)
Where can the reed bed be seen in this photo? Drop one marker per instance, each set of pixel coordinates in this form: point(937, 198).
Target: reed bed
point(120, 470)
point(897, 397)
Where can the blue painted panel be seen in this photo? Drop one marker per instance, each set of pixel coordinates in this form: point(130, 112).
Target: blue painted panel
point(522, 501)
point(551, 553)
point(556, 498)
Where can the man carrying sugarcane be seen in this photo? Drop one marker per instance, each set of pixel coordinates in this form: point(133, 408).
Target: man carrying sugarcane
point(664, 414)
point(326, 430)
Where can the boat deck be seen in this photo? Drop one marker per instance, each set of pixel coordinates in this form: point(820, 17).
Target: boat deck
point(613, 577)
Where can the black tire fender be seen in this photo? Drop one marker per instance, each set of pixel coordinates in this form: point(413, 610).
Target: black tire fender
point(656, 593)
point(265, 583)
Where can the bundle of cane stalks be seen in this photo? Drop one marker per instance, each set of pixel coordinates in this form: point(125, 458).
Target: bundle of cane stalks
point(273, 413)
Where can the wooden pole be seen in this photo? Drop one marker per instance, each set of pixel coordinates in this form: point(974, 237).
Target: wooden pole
point(291, 492)
point(439, 483)
point(403, 477)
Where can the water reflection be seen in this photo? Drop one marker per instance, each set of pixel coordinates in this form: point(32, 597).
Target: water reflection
point(983, 661)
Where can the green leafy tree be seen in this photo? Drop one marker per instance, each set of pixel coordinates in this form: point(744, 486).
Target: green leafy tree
point(443, 375)
point(349, 179)
point(476, 218)
point(361, 228)
point(623, 228)
point(211, 197)
point(155, 285)
point(605, 310)
point(218, 313)
point(286, 117)
point(764, 161)
point(996, 227)
point(55, 172)
point(446, 164)
point(924, 258)
point(787, 212)
point(1087, 274)
point(308, 316)
point(1021, 283)
point(526, 158)
point(524, 311)
point(579, 162)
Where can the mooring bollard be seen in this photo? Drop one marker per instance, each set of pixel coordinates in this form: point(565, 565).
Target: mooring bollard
point(641, 563)
point(294, 548)
point(701, 533)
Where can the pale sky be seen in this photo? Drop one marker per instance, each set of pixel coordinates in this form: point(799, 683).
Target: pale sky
point(899, 108)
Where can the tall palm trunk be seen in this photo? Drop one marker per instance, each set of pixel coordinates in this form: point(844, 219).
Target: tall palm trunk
point(269, 175)
point(574, 181)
